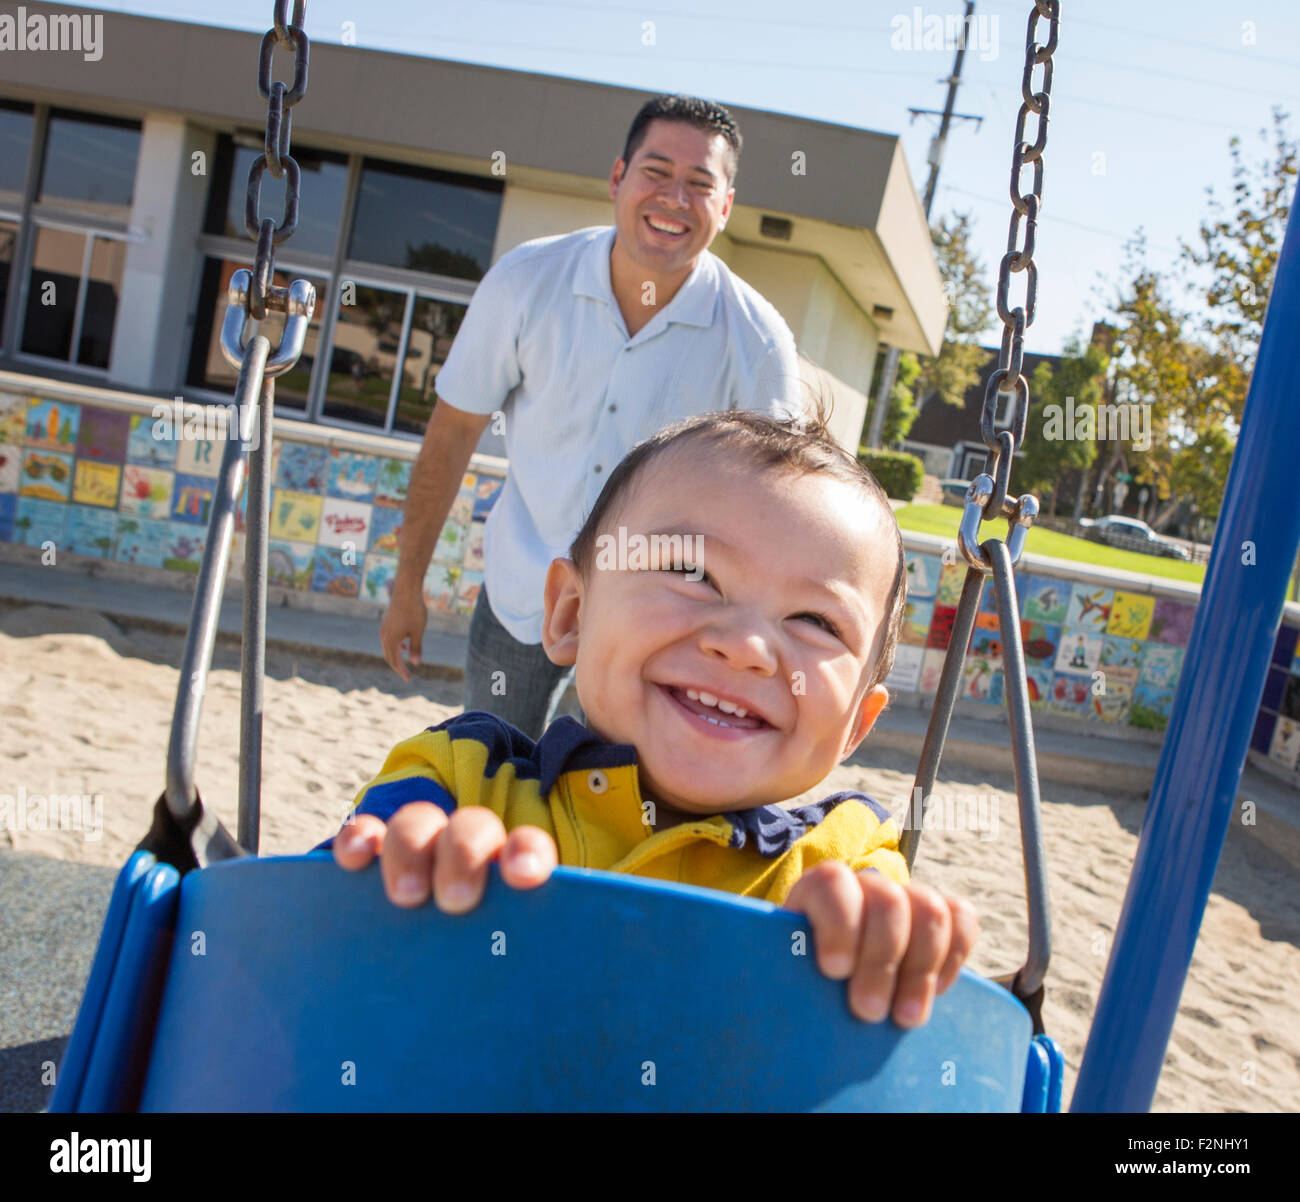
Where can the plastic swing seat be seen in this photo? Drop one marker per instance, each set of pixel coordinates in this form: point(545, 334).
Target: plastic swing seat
point(288, 985)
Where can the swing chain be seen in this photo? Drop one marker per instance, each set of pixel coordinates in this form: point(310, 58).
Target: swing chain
point(987, 497)
point(288, 35)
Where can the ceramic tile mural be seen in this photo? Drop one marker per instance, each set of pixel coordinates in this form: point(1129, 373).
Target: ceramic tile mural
point(99, 482)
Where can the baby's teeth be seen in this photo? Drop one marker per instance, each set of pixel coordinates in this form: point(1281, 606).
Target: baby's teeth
point(708, 699)
point(692, 694)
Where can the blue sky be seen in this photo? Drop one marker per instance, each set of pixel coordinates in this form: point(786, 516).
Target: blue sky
point(1153, 91)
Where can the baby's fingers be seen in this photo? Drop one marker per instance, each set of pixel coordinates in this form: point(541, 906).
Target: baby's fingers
point(965, 932)
point(886, 926)
point(927, 953)
point(831, 897)
point(528, 857)
point(357, 844)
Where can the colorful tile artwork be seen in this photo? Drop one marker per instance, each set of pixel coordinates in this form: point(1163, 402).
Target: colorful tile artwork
point(1089, 609)
point(295, 516)
point(1285, 748)
point(916, 621)
point(191, 499)
point(37, 521)
point(184, 549)
point(377, 578)
point(467, 590)
point(13, 417)
point(1045, 599)
point(301, 467)
point(11, 459)
point(385, 527)
point(142, 540)
point(391, 481)
point(350, 476)
point(1171, 622)
point(1131, 615)
point(103, 434)
point(905, 675)
point(346, 525)
point(923, 575)
point(290, 564)
point(146, 445)
point(52, 425)
point(96, 483)
point(199, 456)
point(336, 572)
point(440, 585)
point(486, 490)
point(146, 492)
point(474, 547)
point(46, 475)
point(89, 531)
point(8, 511)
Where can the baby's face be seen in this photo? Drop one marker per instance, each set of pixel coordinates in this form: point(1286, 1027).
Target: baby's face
point(746, 686)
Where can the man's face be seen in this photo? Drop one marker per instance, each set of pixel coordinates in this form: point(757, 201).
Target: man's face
point(784, 624)
point(672, 198)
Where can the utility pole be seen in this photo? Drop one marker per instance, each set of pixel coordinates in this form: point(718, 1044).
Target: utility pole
point(890, 371)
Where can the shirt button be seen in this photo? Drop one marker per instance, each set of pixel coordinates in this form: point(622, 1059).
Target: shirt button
point(612, 408)
point(596, 468)
point(597, 781)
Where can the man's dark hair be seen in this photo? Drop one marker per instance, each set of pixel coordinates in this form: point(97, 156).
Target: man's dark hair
point(801, 445)
point(703, 114)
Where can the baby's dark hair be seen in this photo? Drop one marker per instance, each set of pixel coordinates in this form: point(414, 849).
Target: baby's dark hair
point(801, 446)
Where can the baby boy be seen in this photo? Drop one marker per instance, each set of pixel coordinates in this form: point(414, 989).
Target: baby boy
point(732, 604)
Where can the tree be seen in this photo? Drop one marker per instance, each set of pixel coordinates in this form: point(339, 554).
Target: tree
point(1050, 447)
point(948, 375)
point(902, 410)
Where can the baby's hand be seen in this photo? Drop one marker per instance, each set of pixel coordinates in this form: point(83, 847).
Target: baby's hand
point(422, 849)
point(898, 946)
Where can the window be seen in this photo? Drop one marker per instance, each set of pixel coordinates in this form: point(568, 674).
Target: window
point(72, 296)
point(424, 220)
point(90, 165)
point(433, 327)
point(8, 243)
point(208, 366)
point(320, 208)
point(16, 124)
point(1005, 411)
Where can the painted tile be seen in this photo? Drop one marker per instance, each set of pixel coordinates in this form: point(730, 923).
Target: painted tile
point(1089, 609)
point(440, 586)
point(951, 579)
point(332, 574)
point(142, 540)
point(391, 482)
point(191, 499)
point(986, 642)
point(451, 543)
point(467, 590)
point(1040, 642)
point(184, 550)
point(1285, 748)
point(13, 417)
point(981, 679)
point(11, 459)
point(1151, 706)
point(301, 467)
point(905, 674)
point(941, 626)
point(1131, 615)
point(144, 445)
point(290, 564)
point(916, 621)
point(931, 669)
point(923, 574)
point(1112, 706)
point(52, 425)
point(103, 434)
point(345, 524)
point(90, 531)
point(377, 578)
point(1038, 682)
point(1079, 653)
point(1046, 600)
point(146, 491)
point(474, 547)
point(96, 483)
point(8, 510)
point(38, 521)
point(351, 476)
point(199, 456)
point(486, 492)
point(1171, 622)
point(1119, 653)
point(46, 475)
point(385, 529)
point(295, 516)
point(1160, 666)
point(1071, 694)
point(989, 599)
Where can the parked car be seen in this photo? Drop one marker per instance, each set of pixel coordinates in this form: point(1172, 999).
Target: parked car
point(1128, 534)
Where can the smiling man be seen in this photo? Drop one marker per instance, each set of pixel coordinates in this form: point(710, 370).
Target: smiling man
point(585, 344)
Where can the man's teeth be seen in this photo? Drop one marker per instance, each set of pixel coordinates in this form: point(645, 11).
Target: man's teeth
point(665, 228)
point(725, 706)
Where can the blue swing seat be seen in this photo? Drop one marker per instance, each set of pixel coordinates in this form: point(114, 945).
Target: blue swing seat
point(286, 984)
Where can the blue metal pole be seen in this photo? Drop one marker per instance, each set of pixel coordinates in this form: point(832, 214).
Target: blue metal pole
point(1196, 782)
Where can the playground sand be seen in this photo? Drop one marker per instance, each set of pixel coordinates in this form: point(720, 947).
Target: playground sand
point(86, 709)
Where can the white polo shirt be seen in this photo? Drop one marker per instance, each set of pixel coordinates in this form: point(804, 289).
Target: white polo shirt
point(545, 343)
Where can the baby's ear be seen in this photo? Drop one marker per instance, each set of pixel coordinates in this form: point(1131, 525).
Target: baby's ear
point(873, 702)
point(563, 606)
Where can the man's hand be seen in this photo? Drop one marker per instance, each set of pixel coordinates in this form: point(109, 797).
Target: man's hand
point(404, 622)
point(422, 850)
point(897, 946)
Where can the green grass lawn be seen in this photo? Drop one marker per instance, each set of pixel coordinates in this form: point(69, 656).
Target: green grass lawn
point(943, 520)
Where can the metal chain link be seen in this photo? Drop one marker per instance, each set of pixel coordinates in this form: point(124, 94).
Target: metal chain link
point(987, 498)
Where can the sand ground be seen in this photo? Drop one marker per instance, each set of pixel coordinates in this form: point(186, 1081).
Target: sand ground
point(86, 708)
